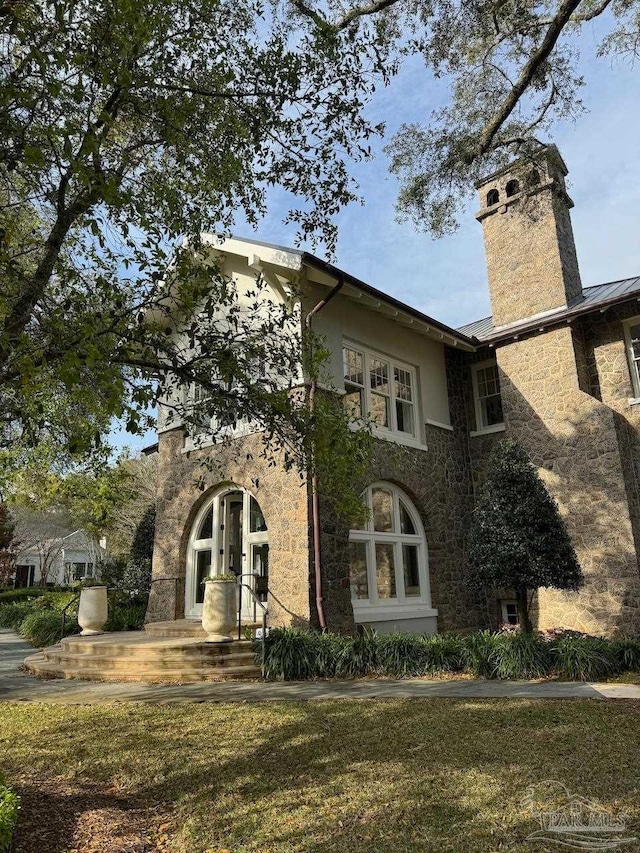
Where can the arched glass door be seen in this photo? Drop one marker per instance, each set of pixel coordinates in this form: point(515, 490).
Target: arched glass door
point(229, 536)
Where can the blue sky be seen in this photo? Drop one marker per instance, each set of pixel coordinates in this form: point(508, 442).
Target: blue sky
point(446, 278)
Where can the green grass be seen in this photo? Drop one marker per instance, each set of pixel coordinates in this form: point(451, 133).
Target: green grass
point(353, 776)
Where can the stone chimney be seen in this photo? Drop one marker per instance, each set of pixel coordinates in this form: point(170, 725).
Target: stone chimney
point(531, 254)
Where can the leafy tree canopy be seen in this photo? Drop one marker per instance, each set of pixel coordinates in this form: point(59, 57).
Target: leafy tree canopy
point(518, 539)
point(513, 69)
point(125, 127)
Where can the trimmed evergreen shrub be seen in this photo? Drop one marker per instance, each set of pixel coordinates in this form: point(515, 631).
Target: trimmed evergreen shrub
point(518, 539)
point(12, 615)
point(22, 594)
point(9, 807)
point(578, 657)
point(42, 628)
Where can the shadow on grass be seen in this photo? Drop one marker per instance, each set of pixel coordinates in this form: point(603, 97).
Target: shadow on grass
point(332, 777)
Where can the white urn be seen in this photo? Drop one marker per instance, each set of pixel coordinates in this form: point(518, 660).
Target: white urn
point(220, 609)
point(92, 610)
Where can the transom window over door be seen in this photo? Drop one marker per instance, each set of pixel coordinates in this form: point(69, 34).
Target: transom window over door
point(388, 556)
point(380, 388)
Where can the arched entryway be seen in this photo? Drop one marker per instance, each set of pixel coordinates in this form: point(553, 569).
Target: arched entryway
point(229, 535)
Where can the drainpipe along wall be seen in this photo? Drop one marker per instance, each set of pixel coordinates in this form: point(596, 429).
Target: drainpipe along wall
point(315, 504)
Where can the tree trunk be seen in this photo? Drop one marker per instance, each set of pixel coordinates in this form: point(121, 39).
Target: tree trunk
point(523, 610)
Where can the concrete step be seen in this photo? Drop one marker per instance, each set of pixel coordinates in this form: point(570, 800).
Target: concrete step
point(124, 664)
point(186, 628)
point(137, 656)
point(136, 644)
point(40, 665)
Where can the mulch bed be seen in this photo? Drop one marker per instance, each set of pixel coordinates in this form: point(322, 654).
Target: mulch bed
point(58, 816)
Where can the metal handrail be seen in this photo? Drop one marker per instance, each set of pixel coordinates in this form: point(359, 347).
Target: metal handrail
point(265, 611)
point(64, 614)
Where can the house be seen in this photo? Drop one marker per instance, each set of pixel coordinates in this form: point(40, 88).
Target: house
point(58, 560)
point(556, 367)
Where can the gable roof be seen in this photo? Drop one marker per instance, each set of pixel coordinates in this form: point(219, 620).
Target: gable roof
point(296, 259)
point(593, 298)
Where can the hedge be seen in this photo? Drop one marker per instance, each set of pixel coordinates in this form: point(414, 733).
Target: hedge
point(9, 806)
point(292, 654)
point(42, 628)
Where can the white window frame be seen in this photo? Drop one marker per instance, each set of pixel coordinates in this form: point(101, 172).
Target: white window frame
point(633, 365)
point(207, 434)
point(481, 429)
point(402, 606)
point(503, 610)
point(217, 544)
point(392, 430)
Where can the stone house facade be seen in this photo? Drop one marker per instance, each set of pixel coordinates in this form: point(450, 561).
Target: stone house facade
point(555, 367)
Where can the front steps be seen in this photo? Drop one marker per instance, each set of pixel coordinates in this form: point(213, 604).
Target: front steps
point(162, 654)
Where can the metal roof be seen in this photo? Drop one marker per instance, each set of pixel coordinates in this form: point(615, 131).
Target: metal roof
point(591, 299)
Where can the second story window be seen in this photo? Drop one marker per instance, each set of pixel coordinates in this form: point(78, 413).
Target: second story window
point(381, 389)
point(486, 391)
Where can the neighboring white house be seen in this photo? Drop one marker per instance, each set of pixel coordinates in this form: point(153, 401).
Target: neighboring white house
point(62, 559)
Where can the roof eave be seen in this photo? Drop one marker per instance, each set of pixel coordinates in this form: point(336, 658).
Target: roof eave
point(455, 337)
point(558, 320)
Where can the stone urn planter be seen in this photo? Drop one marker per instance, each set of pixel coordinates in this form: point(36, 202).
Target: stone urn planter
point(92, 610)
point(220, 608)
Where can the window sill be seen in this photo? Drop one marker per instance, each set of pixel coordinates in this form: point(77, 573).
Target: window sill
point(633, 401)
point(395, 437)
point(488, 430)
point(387, 612)
point(438, 424)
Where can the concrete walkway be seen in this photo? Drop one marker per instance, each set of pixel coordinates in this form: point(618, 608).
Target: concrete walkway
point(15, 685)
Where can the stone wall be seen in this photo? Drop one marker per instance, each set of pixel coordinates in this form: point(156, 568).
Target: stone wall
point(187, 480)
point(531, 257)
point(438, 482)
point(574, 440)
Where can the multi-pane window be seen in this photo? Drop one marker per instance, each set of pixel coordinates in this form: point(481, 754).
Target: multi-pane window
point(632, 333)
point(387, 556)
point(380, 389)
point(509, 612)
point(488, 401)
point(354, 382)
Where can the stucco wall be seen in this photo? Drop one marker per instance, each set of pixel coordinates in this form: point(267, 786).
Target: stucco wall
point(343, 318)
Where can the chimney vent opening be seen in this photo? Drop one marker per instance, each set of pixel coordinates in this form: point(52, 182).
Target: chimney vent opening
point(533, 178)
point(512, 188)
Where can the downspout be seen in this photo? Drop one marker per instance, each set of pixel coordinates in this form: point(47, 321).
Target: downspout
point(315, 506)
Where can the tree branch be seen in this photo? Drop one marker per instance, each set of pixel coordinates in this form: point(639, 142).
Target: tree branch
point(558, 23)
point(348, 18)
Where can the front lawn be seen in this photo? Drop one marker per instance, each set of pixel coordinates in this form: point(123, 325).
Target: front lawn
point(324, 777)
